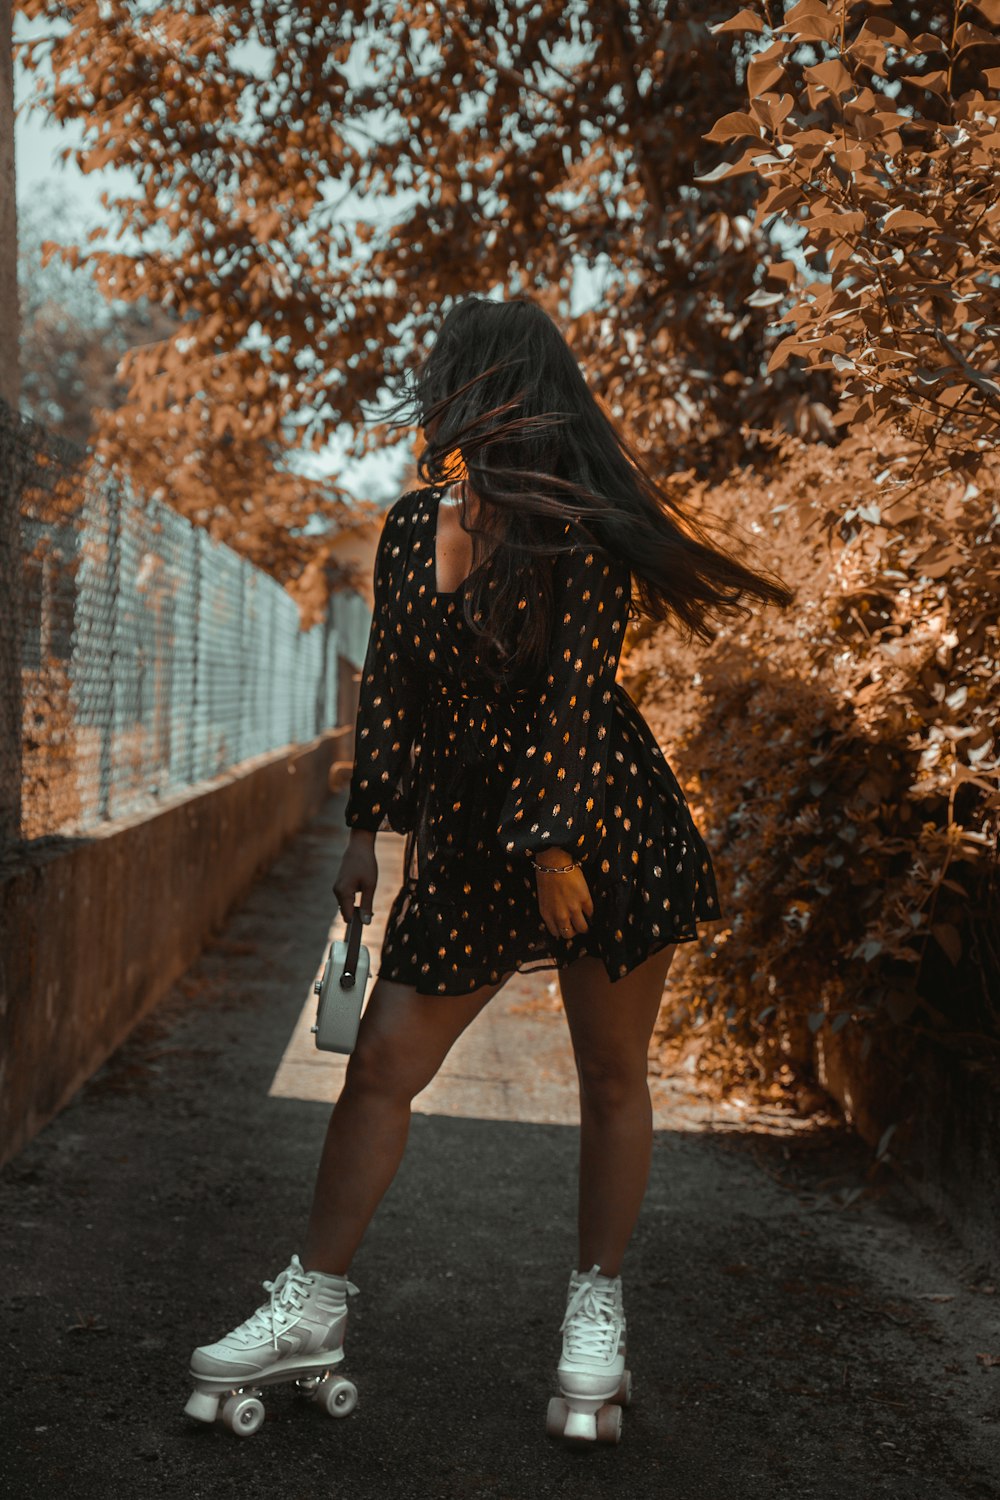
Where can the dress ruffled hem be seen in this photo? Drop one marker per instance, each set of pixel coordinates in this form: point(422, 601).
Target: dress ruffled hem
point(411, 956)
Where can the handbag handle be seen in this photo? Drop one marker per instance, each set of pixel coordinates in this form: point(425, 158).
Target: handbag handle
point(349, 972)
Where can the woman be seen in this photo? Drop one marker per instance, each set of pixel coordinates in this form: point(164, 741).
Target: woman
point(544, 827)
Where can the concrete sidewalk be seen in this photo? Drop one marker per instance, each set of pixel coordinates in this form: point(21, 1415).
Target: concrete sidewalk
point(794, 1333)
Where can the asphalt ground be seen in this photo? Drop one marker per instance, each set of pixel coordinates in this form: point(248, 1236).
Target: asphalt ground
point(799, 1328)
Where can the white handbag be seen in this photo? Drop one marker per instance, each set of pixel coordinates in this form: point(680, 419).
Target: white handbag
point(341, 990)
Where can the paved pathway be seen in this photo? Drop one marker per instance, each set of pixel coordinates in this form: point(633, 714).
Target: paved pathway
point(797, 1331)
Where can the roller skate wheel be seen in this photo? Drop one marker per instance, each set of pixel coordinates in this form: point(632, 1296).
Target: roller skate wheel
point(338, 1397)
point(609, 1424)
point(555, 1420)
point(243, 1414)
point(623, 1395)
point(203, 1406)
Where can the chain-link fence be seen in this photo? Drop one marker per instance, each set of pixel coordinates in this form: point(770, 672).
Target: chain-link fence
point(150, 657)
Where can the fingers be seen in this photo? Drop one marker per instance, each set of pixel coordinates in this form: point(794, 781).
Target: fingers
point(367, 889)
point(347, 907)
point(346, 892)
point(343, 903)
point(566, 922)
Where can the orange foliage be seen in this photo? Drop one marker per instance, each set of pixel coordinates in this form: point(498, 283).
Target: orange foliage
point(845, 759)
point(507, 144)
point(878, 135)
point(847, 756)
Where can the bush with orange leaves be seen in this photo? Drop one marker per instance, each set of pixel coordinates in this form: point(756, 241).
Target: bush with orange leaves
point(845, 758)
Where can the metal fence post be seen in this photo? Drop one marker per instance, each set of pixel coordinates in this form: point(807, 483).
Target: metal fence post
point(244, 650)
point(109, 724)
point(193, 766)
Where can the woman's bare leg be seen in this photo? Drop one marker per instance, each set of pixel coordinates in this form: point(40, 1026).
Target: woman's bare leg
point(402, 1041)
point(611, 1027)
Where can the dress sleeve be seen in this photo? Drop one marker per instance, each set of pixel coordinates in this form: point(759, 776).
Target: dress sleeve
point(556, 795)
point(387, 707)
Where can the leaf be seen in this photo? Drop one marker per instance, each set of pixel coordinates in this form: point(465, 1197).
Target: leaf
point(776, 199)
point(763, 298)
point(886, 31)
point(907, 218)
point(968, 35)
point(732, 127)
point(949, 938)
point(810, 22)
point(804, 8)
point(846, 224)
point(732, 169)
point(744, 20)
point(784, 351)
point(771, 110)
point(937, 83)
point(868, 50)
point(883, 1144)
point(763, 74)
point(782, 270)
point(929, 43)
point(832, 75)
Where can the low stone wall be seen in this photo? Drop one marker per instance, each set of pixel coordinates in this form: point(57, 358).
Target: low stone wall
point(93, 931)
point(941, 1117)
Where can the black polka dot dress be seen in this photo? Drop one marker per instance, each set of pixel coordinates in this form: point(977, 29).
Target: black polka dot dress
point(477, 780)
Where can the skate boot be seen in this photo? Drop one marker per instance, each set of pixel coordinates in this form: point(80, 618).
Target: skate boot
point(297, 1335)
point(593, 1380)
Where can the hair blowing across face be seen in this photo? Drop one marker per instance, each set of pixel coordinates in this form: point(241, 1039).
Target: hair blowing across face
point(502, 388)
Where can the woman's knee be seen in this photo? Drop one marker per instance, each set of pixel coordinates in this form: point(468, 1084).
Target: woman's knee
point(611, 1082)
point(380, 1065)
point(400, 1046)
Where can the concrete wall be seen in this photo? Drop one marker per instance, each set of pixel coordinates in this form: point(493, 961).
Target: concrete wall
point(94, 931)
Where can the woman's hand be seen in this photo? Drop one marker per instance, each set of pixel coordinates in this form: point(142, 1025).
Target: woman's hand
point(358, 872)
point(563, 898)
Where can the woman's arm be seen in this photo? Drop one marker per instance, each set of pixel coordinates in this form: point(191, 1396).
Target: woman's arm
point(388, 707)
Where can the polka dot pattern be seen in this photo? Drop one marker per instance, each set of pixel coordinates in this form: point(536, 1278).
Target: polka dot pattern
point(477, 780)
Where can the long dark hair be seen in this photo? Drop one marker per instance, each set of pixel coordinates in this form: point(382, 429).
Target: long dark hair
point(502, 388)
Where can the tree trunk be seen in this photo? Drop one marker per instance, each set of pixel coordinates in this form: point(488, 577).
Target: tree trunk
point(10, 460)
point(10, 384)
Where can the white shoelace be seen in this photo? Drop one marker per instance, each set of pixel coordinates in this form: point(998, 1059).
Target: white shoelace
point(288, 1292)
point(590, 1323)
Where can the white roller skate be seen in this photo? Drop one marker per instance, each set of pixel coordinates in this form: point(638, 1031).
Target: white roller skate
point(297, 1335)
point(594, 1382)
